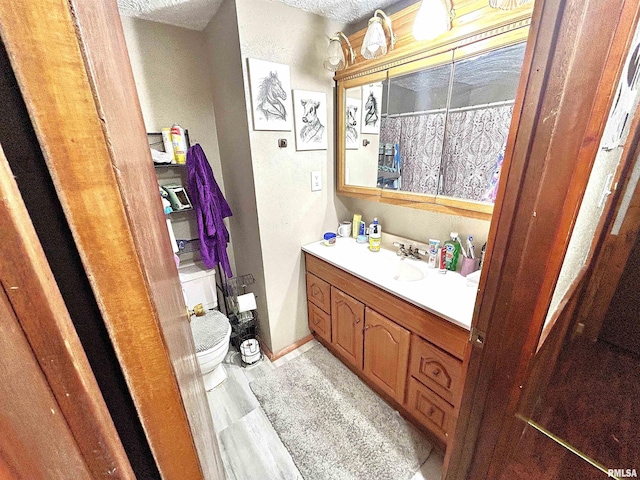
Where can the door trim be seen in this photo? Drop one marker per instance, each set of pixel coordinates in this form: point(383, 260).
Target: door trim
point(69, 118)
point(38, 305)
point(559, 115)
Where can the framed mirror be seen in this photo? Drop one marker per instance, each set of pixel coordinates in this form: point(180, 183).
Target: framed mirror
point(481, 100)
point(443, 125)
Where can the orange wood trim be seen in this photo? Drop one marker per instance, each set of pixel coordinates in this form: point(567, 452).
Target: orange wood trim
point(115, 91)
point(574, 290)
point(382, 196)
point(36, 441)
point(559, 102)
point(274, 356)
point(43, 316)
point(61, 102)
point(474, 21)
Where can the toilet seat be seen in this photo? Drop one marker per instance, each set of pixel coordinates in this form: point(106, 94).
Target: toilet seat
point(211, 331)
point(211, 335)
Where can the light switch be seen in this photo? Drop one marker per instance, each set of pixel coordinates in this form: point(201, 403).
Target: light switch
point(316, 181)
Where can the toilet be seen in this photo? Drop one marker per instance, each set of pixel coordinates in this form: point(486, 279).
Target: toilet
point(211, 332)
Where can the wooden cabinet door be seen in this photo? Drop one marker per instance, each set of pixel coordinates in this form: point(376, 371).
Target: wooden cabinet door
point(439, 371)
point(319, 322)
point(347, 326)
point(319, 292)
point(386, 354)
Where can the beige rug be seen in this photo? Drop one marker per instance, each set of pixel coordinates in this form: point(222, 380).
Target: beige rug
point(336, 427)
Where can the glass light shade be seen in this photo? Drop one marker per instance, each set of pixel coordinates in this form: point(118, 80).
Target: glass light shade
point(334, 60)
point(374, 44)
point(432, 20)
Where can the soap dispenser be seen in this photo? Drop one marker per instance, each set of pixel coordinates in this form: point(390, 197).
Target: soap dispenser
point(375, 236)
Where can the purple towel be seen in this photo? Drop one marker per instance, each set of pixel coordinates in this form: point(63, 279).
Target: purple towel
point(211, 208)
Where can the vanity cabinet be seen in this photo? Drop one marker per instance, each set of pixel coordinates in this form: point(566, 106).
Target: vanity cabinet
point(319, 306)
point(347, 326)
point(412, 357)
point(386, 354)
point(435, 387)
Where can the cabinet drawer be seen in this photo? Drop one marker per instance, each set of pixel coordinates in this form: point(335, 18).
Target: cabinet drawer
point(436, 369)
point(433, 412)
point(319, 292)
point(319, 322)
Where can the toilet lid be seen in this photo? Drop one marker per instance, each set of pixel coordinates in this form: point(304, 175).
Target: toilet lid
point(210, 330)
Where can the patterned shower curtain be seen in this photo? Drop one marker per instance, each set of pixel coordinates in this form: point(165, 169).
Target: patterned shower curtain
point(474, 140)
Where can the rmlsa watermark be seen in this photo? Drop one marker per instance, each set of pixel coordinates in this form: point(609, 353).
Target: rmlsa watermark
point(622, 473)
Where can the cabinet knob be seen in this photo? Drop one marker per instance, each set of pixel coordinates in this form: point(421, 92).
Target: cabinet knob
point(431, 411)
point(357, 321)
point(436, 372)
point(316, 321)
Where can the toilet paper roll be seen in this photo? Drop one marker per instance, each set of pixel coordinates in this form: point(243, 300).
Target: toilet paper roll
point(246, 302)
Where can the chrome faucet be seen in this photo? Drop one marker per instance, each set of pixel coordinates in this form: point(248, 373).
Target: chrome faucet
point(402, 252)
point(413, 253)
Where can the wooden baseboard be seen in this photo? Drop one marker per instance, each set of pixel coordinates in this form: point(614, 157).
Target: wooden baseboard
point(274, 356)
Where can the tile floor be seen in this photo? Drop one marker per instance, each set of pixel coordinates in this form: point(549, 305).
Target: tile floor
point(251, 448)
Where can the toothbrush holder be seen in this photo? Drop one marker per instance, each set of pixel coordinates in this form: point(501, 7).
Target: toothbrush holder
point(469, 265)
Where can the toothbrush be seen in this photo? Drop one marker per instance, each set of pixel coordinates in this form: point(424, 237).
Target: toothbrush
point(462, 250)
point(470, 246)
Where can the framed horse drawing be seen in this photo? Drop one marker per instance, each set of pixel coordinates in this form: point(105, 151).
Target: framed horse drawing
point(310, 112)
point(371, 108)
point(353, 119)
point(270, 85)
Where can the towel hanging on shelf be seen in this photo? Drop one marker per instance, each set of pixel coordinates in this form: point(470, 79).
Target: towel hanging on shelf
point(211, 210)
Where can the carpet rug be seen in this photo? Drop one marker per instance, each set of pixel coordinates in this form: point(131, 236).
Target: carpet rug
point(334, 426)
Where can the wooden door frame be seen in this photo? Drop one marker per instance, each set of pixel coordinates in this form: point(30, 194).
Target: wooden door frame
point(38, 305)
point(559, 115)
point(73, 69)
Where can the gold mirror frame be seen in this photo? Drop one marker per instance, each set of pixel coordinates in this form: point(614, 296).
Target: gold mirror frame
point(493, 33)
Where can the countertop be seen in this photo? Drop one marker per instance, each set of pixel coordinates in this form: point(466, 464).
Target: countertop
point(447, 296)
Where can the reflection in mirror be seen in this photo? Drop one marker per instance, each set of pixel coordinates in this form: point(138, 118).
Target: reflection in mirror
point(481, 105)
point(413, 129)
point(364, 109)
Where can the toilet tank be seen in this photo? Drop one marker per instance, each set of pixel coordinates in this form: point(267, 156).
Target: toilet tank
point(198, 285)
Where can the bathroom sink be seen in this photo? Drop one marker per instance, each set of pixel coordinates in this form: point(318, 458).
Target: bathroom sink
point(405, 271)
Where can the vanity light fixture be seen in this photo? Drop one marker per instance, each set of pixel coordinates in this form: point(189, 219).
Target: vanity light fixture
point(507, 4)
point(374, 44)
point(335, 60)
point(433, 19)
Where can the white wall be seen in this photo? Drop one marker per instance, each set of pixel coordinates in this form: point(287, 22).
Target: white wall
point(233, 132)
point(289, 214)
point(173, 77)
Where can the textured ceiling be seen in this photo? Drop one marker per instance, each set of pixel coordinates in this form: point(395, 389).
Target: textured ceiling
point(196, 14)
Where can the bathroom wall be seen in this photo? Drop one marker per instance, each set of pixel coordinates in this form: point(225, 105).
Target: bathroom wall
point(223, 50)
point(173, 76)
point(419, 225)
point(289, 213)
point(579, 247)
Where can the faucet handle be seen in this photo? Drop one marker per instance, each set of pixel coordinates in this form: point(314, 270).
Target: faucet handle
point(421, 252)
point(401, 250)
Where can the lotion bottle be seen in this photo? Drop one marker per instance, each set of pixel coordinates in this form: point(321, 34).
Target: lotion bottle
point(375, 236)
